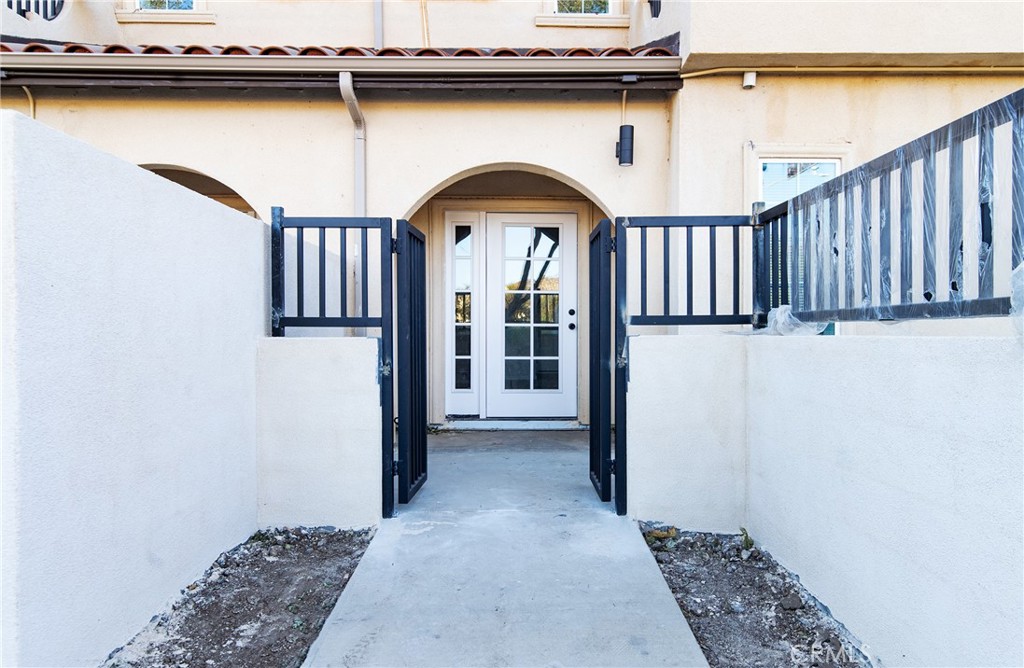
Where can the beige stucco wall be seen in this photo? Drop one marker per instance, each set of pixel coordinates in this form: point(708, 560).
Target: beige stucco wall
point(712, 34)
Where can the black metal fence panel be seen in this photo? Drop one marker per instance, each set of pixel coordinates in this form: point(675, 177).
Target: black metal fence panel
point(411, 253)
point(932, 229)
point(601, 359)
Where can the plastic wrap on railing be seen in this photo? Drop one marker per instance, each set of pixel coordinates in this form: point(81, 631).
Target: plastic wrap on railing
point(1017, 297)
point(931, 229)
point(782, 322)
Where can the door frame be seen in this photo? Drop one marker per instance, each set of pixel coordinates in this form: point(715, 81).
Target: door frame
point(515, 404)
point(432, 218)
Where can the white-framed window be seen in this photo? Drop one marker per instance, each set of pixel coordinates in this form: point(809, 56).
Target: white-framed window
point(584, 14)
point(582, 6)
point(166, 5)
point(773, 173)
point(163, 11)
point(785, 178)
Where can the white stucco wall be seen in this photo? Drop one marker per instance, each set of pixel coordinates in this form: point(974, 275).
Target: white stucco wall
point(887, 472)
point(687, 430)
point(131, 313)
point(319, 432)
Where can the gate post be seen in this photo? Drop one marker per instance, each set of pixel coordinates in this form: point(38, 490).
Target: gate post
point(387, 372)
point(276, 271)
point(761, 288)
point(621, 364)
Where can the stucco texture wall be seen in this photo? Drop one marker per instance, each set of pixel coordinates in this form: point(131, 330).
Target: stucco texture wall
point(319, 432)
point(131, 314)
point(885, 471)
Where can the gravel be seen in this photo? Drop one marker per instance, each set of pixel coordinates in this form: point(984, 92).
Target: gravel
point(262, 603)
point(743, 607)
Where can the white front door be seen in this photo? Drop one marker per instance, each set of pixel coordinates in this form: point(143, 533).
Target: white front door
point(511, 335)
point(531, 315)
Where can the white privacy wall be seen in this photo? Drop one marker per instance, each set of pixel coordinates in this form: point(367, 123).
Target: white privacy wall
point(687, 431)
point(131, 314)
point(319, 432)
point(886, 471)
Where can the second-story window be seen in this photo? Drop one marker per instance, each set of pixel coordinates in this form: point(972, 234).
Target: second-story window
point(167, 5)
point(582, 6)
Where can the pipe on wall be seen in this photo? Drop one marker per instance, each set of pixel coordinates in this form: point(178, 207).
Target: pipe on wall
point(348, 94)
point(378, 24)
point(31, 102)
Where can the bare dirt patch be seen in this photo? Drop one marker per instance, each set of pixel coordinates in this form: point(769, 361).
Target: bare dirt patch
point(743, 607)
point(262, 603)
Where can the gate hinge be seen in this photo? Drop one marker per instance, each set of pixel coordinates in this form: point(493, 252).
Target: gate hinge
point(394, 468)
point(612, 246)
point(394, 246)
point(385, 369)
point(611, 466)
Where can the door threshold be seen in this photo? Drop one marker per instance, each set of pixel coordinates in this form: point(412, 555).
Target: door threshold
point(510, 425)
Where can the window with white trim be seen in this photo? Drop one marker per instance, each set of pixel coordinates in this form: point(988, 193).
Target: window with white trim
point(163, 11)
point(785, 178)
point(582, 6)
point(166, 5)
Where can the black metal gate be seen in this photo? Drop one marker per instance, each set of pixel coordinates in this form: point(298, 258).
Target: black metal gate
point(410, 246)
point(601, 359)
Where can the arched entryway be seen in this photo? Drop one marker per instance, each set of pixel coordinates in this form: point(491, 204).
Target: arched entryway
point(506, 290)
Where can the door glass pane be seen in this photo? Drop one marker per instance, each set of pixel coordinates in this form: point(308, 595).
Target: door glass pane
point(517, 341)
point(545, 308)
point(546, 276)
point(463, 341)
point(517, 241)
point(463, 241)
point(545, 374)
point(545, 342)
point(517, 374)
point(517, 307)
point(462, 374)
point(545, 242)
point(462, 307)
point(463, 273)
point(517, 275)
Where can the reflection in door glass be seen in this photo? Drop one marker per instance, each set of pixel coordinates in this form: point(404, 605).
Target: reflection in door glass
point(531, 282)
point(517, 374)
point(545, 242)
point(462, 283)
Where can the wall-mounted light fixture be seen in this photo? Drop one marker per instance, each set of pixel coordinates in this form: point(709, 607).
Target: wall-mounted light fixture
point(624, 147)
point(749, 80)
point(655, 8)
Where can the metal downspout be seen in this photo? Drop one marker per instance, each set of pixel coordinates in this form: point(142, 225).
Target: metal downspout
point(378, 24)
point(348, 94)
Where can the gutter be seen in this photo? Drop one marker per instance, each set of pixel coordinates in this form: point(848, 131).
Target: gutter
point(408, 65)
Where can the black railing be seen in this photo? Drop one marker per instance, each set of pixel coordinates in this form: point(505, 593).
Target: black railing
point(932, 229)
point(347, 275)
point(676, 244)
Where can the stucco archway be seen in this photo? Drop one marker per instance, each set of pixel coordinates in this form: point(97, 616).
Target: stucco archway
point(475, 196)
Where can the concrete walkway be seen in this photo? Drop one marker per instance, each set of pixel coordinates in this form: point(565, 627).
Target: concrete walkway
point(507, 558)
